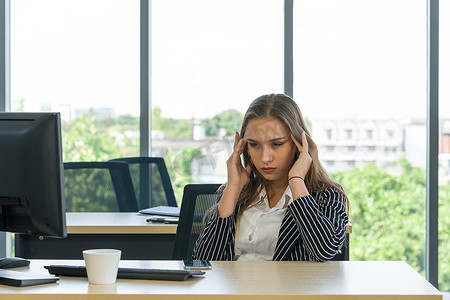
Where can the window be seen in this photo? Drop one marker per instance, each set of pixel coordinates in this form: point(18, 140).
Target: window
point(351, 163)
point(345, 61)
point(80, 57)
point(390, 133)
point(444, 151)
point(209, 61)
point(348, 134)
point(329, 134)
point(389, 150)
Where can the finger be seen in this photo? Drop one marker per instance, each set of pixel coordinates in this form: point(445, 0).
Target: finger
point(299, 146)
point(305, 142)
point(242, 143)
point(236, 139)
point(238, 149)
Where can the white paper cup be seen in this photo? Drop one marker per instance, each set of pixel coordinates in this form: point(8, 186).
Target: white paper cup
point(102, 265)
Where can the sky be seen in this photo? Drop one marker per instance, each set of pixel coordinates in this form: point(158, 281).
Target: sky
point(352, 59)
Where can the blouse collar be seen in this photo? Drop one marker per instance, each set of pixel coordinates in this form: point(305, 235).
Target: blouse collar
point(285, 200)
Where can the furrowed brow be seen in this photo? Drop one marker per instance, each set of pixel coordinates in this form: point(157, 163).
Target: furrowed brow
point(277, 139)
point(252, 140)
point(271, 141)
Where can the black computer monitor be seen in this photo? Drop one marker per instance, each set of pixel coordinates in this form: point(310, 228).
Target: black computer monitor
point(31, 174)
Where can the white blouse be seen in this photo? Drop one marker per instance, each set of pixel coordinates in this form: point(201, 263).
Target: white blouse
point(258, 228)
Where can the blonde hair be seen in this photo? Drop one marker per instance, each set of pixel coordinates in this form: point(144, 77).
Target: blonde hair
point(284, 109)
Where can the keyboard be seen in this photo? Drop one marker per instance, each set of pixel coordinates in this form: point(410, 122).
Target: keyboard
point(172, 211)
point(127, 273)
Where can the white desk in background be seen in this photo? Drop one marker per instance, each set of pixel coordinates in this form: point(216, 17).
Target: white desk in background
point(387, 280)
point(130, 232)
point(115, 223)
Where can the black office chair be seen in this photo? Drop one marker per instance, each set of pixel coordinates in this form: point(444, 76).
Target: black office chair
point(151, 181)
point(197, 200)
point(343, 254)
point(99, 187)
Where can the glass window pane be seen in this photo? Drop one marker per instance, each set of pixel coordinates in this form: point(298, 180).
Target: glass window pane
point(81, 58)
point(360, 78)
point(444, 146)
point(210, 59)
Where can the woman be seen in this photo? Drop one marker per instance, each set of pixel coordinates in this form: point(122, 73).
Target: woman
point(280, 203)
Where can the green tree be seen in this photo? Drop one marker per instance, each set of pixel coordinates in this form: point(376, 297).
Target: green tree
point(172, 128)
point(387, 213)
point(230, 120)
point(179, 168)
point(84, 141)
point(125, 130)
point(158, 121)
point(87, 138)
point(89, 191)
point(388, 216)
point(19, 105)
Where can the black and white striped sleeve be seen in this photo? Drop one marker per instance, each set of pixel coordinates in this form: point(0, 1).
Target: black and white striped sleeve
point(216, 240)
point(321, 222)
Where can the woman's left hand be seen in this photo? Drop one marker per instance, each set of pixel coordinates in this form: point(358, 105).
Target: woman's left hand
point(303, 163)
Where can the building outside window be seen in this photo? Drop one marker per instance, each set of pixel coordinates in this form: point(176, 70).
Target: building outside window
point(369, 134)
point(329, 134)
point(348, 134)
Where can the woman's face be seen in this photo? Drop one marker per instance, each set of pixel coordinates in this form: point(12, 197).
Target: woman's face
point(270, 148)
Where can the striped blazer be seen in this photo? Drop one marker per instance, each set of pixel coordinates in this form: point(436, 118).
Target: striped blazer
point(313, 229)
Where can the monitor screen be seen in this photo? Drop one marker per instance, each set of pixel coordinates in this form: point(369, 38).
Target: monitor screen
point(31, 174)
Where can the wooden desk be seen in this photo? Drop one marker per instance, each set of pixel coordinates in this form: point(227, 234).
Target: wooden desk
point(115, 223)
point(245, 280)
point(130, 232)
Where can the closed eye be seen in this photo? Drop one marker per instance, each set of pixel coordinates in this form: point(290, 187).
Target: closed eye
point(252, 145)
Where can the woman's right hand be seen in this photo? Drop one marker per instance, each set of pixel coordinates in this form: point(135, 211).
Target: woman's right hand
point(237, 178)
point(237, 174)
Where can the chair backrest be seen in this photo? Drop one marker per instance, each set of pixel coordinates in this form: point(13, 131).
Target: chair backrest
point(197, 200)
point(98, 187)
point(151, 181)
